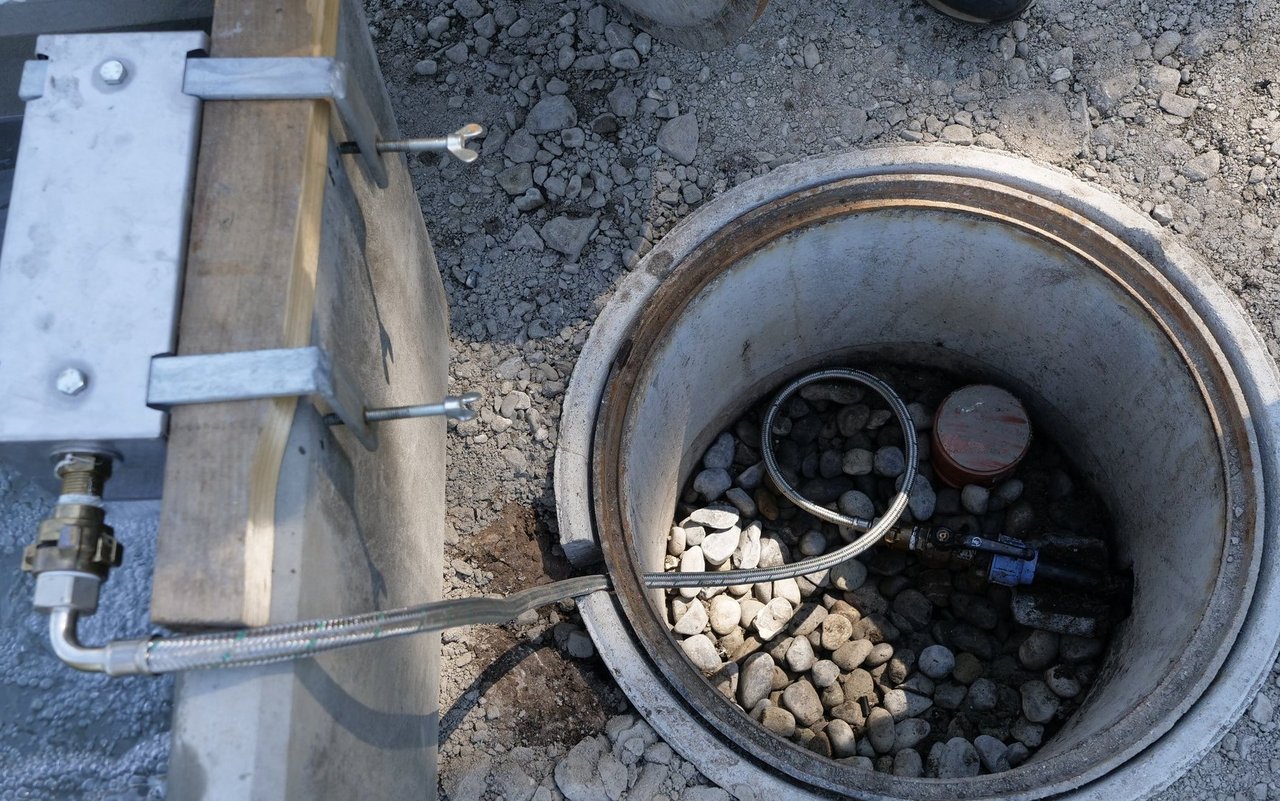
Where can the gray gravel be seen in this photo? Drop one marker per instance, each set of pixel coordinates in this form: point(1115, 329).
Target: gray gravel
point(1075, 84)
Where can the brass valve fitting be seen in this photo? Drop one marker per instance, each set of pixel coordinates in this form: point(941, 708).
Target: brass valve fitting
point(75, 537)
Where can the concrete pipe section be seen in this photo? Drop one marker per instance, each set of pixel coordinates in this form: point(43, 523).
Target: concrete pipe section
point(694, 24)
point(1121, 343)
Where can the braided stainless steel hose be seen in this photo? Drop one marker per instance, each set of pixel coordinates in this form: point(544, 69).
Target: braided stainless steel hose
point(285, 641)
point(874, 529)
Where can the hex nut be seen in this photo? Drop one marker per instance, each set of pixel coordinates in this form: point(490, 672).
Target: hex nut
point(71, 381)
point(66, 589)
point(113, 72)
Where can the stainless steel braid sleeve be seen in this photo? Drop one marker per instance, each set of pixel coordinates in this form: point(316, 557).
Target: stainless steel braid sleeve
point(874, 530)
point(286, 641)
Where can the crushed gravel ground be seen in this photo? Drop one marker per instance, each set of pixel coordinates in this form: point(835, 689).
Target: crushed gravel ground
point(600, 139)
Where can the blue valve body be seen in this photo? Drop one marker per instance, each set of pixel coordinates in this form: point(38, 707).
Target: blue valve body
point(1011, 571)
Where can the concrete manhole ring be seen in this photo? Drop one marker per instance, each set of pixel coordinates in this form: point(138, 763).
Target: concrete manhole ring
point(1031, 274)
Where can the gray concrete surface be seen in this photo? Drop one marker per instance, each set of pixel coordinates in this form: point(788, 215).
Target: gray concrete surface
point(65, 734)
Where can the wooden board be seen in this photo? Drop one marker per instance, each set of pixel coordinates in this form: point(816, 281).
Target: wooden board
point(250, 283)
point(351, 529)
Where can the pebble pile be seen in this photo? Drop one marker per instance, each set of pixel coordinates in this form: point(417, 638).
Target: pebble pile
point(903, 663)
point(626, 761)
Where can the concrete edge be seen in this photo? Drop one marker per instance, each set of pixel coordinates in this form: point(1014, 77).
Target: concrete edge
point(1256, 647)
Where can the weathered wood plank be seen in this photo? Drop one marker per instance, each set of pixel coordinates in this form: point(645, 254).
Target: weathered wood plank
point(250, 283)
point(354, 529)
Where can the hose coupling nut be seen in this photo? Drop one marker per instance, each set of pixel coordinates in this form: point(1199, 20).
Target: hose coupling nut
point(67, 589)
point(75, 536)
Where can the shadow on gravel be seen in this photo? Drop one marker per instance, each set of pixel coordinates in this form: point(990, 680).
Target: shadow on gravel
point(531, 688)
point(534, 690)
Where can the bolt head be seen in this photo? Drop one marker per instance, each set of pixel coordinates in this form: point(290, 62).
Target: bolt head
point(71, 381)
point(112, 72)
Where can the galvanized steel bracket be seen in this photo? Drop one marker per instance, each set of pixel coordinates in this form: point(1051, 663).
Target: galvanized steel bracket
point(283, 373)
point(293, 78)
point(269, 78)
point(92, 261)
point(257, 374)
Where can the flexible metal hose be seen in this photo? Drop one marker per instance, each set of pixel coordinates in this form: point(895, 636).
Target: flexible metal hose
point(267, 644)
point(874, 530)
point(287, 641)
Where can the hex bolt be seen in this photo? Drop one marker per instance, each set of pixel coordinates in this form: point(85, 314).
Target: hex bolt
point(71, 381)
point(113, 72)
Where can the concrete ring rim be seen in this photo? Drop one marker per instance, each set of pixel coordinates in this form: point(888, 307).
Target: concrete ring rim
point(1199, 728)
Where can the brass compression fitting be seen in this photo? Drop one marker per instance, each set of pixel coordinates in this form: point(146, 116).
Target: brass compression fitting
point(75, 538)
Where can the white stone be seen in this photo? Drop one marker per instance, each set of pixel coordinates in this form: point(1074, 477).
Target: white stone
point(692, 561)
point(772, 618)
point(724, 615)
point(800, 656)
point(718, 546)
point(702, 653)
point(716, 516)
point(747, 555)
point(693, 621)
point(787, 588)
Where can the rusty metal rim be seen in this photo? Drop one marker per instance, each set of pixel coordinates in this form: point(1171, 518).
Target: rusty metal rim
point(1211, 641)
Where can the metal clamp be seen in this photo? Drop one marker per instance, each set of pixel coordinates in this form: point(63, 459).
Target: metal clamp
point(284, 373)
point(316, 78)
point(292, 78)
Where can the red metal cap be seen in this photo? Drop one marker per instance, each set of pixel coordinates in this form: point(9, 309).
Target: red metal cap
point(980, 434)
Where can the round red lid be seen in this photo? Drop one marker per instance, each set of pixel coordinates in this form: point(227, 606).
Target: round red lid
point(980, 434)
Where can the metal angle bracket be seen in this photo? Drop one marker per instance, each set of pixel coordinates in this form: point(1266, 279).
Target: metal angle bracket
point(257, 374)
point(285, 373)
point(293, 78)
